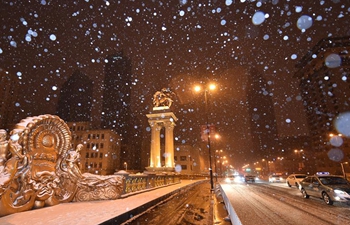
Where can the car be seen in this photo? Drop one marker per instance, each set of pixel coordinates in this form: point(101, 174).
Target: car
point(234, 179)
point(275, 178)
point(330, 188)
point(295, 179)
point(229, 179)
point(249, 178)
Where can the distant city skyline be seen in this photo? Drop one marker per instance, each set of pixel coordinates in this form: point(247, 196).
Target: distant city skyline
point(174, 45)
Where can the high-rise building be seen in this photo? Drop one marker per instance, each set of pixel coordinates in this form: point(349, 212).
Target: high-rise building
point(117, 93)
point(324, 81)
point(262, 117)
point(75, 100)
point(116, 107)
point(8, 99)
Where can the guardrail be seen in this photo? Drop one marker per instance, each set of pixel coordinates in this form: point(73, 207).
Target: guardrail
point(232, 213)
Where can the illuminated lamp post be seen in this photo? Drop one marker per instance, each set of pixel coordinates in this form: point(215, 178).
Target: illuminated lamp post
point(217, 137)
point(223, 161)
point(299, 159)
point(198, 89)
point(219, 161)
point(267, 170)
point(343, 170)
point(126, 166)
point(336, 140)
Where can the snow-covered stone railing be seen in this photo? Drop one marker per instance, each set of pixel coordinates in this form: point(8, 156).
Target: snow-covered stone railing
point(38, 168)
point(140, 182)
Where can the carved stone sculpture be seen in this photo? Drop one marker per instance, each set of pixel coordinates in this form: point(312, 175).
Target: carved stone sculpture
point(163, 98)
point(38, 168)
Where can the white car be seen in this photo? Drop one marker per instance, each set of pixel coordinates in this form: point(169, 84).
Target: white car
point(295, 179)
point(275, 178)
point(330, 188)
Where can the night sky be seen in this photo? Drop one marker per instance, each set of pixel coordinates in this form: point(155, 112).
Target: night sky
point(171, 43)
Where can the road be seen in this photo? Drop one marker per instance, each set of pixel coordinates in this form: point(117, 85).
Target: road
point(265, 203)
point(260, 203)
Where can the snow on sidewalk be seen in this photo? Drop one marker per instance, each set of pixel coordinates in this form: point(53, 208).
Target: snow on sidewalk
point(92, 212)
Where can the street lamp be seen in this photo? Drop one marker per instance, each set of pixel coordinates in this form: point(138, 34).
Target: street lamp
point(217, 137)
point(223, 161)
point(267, 166)
point(219, 161)
point(343, 170)
point(206, 90)
point(299, 163)
point(126, 166)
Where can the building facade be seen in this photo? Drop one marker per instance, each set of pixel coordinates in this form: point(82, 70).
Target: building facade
point(101, 148)
point(187, 160)
point(324, 81)
point(8, 99)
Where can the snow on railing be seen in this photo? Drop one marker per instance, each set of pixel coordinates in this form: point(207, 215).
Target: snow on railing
point(232, 213)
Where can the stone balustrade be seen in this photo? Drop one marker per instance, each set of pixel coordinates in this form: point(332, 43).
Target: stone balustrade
point(135, 183)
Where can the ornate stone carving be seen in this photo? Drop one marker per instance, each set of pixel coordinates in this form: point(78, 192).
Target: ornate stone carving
point(38, 168)
point(95, 187)
point(163, 98)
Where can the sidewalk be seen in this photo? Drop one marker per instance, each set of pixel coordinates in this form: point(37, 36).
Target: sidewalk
point(95, 212)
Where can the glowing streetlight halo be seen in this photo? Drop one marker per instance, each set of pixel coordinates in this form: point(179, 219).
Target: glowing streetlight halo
point(209, 87)
point(197, 88)
point(212, 86)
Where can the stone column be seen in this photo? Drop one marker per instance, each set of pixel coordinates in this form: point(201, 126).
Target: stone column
point(155, 145)
point(169, 144)
point(157, 121)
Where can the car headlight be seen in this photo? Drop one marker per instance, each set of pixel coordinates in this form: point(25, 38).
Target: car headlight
point(340, 192)
point(238, 179)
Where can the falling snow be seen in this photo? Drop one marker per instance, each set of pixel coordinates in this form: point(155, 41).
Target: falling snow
point(176, 44)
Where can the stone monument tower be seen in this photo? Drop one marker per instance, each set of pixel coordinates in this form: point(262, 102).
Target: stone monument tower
point(162, 117)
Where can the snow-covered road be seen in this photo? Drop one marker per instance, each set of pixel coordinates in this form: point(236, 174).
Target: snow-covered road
point(264, 203)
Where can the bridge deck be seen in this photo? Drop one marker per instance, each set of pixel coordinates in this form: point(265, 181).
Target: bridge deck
point(94, 212)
